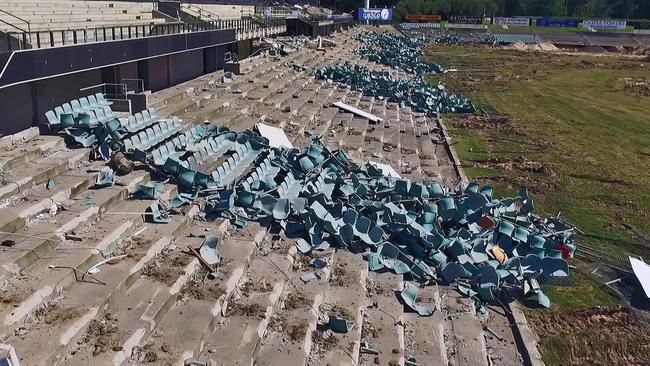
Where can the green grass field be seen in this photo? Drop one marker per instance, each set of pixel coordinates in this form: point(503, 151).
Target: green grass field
point(571, 115)
point(577, 137)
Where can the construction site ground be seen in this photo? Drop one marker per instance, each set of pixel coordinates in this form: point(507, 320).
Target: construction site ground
point(572, 128)
point(155, 305)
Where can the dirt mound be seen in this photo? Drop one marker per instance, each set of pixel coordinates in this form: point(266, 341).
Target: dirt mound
point(521, 46)
point(636, 86)
point(545, 46)
point(518, 46)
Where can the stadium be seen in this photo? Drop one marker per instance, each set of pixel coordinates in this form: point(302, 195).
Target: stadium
point(416, 182)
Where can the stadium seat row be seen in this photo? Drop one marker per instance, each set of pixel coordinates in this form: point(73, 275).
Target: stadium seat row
point(86, 111)
point(236, 164)
point(141, 120)
point(152, 136)
point(262, 178)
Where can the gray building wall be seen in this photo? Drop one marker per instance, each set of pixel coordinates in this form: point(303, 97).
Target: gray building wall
point(16, 107)
point(185, 66)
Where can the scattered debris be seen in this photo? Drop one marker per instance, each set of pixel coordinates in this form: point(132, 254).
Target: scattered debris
point(416, 93)
point(358, 112)
point(308, 277)
point(105, 178)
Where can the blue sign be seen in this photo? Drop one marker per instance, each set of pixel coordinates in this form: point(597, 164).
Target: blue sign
point(376, 14)
point(557, 22)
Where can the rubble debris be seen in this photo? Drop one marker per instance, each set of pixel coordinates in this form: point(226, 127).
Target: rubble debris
point(408, 295)
point(308, 277)
point(396, 51)
point(209, 250)
point(105, 178)
point(416, 93)
point(49, 185)
point(358, 112)
point(121, 163)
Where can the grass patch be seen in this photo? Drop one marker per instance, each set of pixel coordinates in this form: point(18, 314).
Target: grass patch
point(585, 293)
point(571, 116)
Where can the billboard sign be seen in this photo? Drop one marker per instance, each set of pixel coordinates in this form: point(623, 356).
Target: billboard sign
point(463, 19)
point(604, 24)
point(424, 17)
point(557, 22)
point(521, 22)
point(376, 14)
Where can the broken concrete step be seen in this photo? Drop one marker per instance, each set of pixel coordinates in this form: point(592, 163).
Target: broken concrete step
point(247, 314)
point(464, 329)
point(345, 298)
point(134, 314)
point(36, 172)
point(288, 339)
point(501, 343)
point(26, 205)
point(182, 333)
point(383, 328)
point(284, 96)
point(424, 336)
point(39, 238)
point(47, 279)
point(69, 317)
point(36, 149)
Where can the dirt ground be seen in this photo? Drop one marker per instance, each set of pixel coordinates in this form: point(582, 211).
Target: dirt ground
point(598, 336)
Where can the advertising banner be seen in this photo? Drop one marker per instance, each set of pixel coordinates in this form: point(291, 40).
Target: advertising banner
point(375, 14)
point(522, 22)
point(557, 22)
point(424, 17)
point(604, 24)
point(462, 19)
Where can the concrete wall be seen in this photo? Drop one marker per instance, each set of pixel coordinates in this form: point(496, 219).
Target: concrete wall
point(16, 107)
point(24, 105)
point(185, 66)
point(155, 73)
point(56, 91)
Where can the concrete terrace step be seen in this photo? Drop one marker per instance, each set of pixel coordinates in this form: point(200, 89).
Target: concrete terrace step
point(248, 312)
point(68, 318)
point(345, 298)
point(23, 207)
point(137, 312)
point(44, 235)
point(35, 149)
point(288, 339)
point(424, 336)
point(48, 277)
point(383, 328)
point(463, 331)
point(31, 173)
point(188, 324)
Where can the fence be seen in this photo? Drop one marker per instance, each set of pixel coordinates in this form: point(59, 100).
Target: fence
point(63, 37)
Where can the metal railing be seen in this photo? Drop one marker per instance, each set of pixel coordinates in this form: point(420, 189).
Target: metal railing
point(64, 37)
point(133, 85)
point(110, 90)
point(17, 17)
point(199, 12)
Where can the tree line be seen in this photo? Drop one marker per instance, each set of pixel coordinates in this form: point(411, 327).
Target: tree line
point(617, 9)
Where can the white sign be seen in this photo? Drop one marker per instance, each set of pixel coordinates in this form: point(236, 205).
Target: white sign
point(522, 22)
point(604, 24)
point(376, 14)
